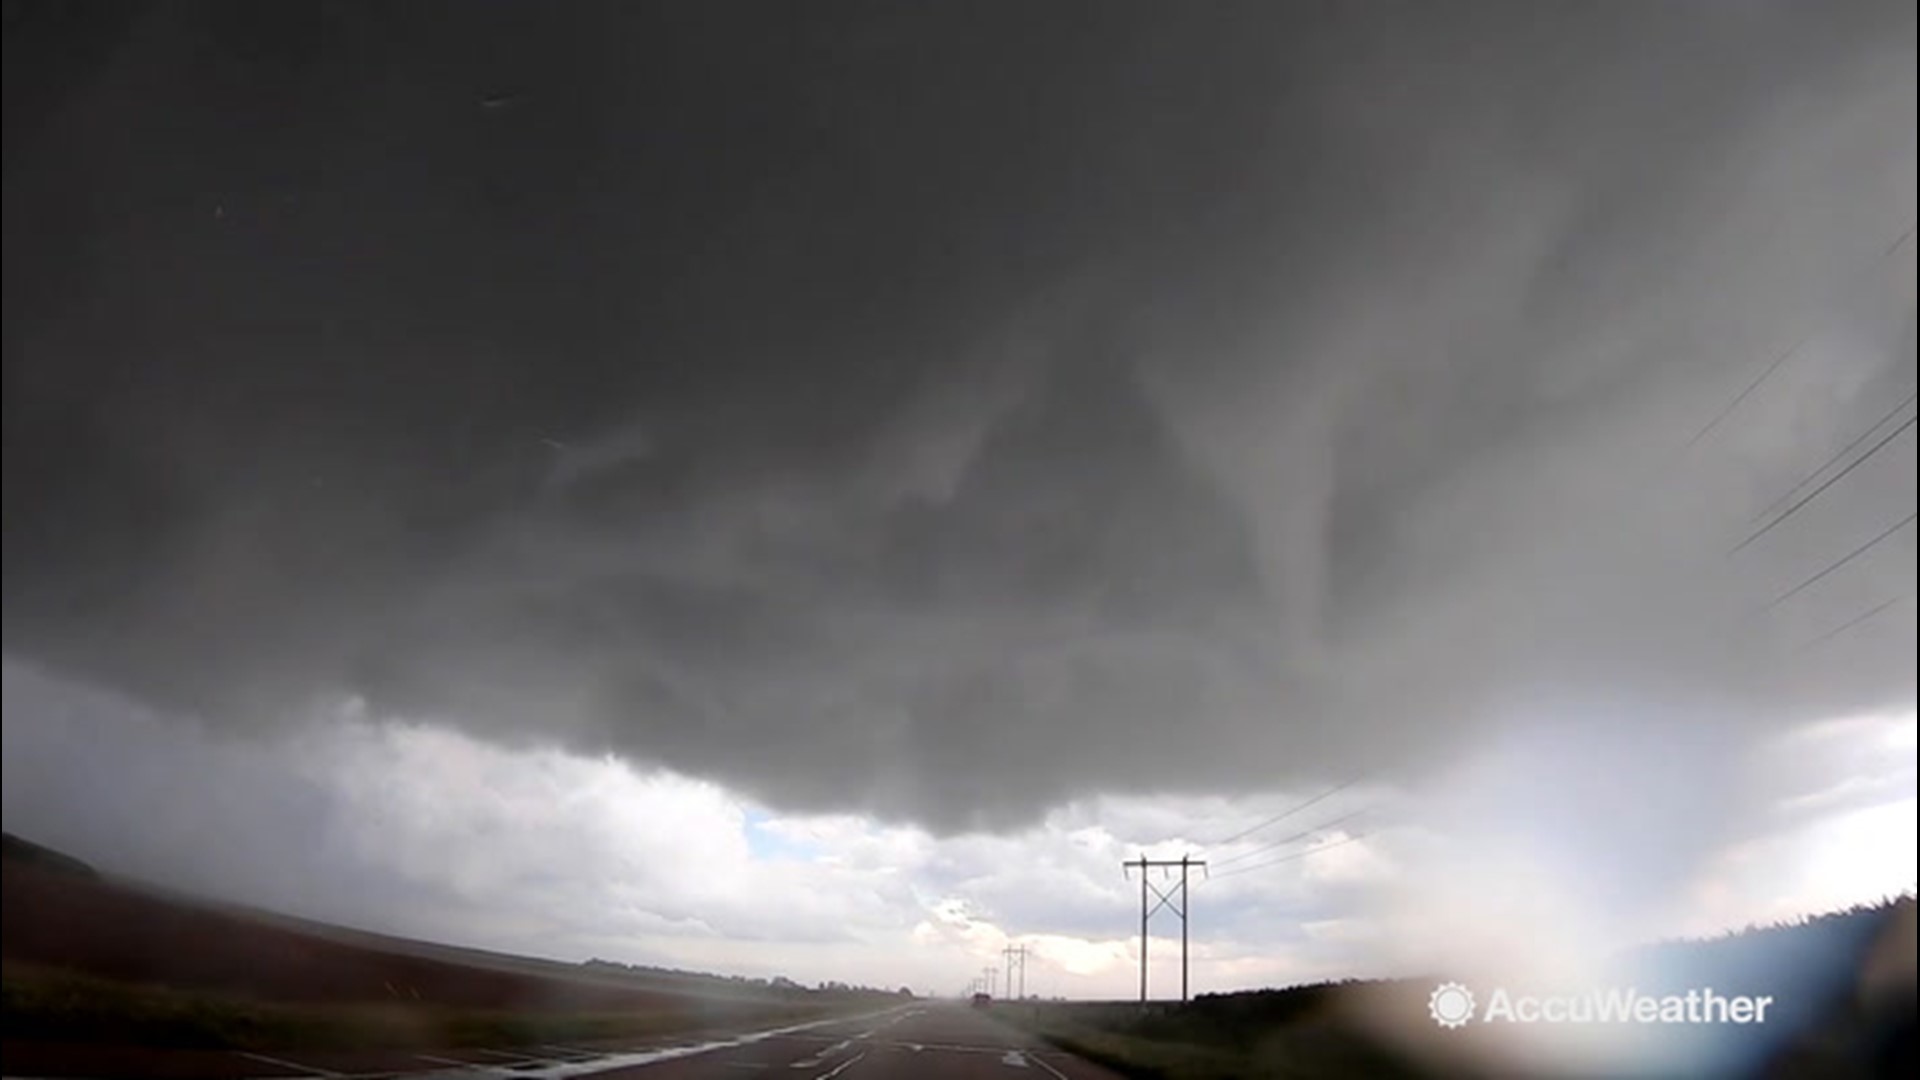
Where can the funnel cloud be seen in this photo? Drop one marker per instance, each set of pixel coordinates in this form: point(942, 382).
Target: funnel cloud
point(945, 415)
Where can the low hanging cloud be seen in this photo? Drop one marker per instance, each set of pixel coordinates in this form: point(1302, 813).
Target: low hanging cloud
point(426, 831)
point(1193, 405)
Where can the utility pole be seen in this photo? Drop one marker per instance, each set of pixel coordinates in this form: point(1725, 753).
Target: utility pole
point(992, 975)
point(1016, 957)
point(1145, 866)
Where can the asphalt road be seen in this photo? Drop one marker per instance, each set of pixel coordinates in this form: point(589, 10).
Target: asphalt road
point(921, 1041)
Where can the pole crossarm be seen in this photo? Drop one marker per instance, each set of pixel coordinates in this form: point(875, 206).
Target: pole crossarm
point(1016, 961)
point(1166, 899)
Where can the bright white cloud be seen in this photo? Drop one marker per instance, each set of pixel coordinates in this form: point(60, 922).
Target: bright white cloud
point(422, 829)
point(1839, 827)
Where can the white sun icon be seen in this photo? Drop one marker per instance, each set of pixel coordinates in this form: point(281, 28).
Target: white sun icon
point(1450, 1005)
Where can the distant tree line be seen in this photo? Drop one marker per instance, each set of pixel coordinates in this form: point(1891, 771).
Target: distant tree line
point(777, 984)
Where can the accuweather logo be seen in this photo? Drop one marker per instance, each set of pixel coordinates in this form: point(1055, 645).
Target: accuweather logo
point(1452, 1005)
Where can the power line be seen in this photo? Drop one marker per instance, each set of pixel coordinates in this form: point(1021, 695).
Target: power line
point(1832, 480)
point(1707, 429)
point(1330, 792)
point(1849, 624)
point(1322, 827)
point(1843, 560)
point(1744, 394)
point(1354, 839)
point(1778, 362)
point(1844, 451)
point(1904, 237)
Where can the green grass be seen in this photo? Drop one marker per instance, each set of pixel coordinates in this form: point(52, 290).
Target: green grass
point(1203, 1041)
point(1146, 1059)
point(50, 1005)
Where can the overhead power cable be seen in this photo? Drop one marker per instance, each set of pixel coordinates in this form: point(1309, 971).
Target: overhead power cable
point(1276, 819)
point(1778, 362)
point(1876, 609)
point(1830, 462)
point(1354, 839)
point(1743, 395)
point(1844, 560)
point(1302, 835)
point(1834, 479)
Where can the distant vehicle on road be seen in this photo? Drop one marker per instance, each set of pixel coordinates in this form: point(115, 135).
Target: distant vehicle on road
point(981, 1001)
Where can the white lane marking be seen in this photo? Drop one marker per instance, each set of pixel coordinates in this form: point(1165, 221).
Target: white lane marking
point(743, 1064)
point(434, 1074)
point(465, 1072)
point(568, 1070)
point(842, 1067)
point(282, 1063)
point(448, 1061)
point(889, 1022)
point(1042, 1062)
point(808, 1063)
point(945, 1048)
point(1014, 1058)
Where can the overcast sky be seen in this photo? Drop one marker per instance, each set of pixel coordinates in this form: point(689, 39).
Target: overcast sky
point(766, 486)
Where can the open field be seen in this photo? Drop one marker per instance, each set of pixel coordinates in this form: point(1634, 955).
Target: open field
point(51, 1005)
point(1299, 1032)
point(95, 970)
point(1842, 1010)
point(104, 978)
point(59, 918)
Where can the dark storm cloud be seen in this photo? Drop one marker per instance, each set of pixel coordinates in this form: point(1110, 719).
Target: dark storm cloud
point(943, 412)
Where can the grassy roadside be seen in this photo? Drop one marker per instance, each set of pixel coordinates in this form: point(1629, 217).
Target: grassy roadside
point(50, 1005)
point(1175, 1043)
point(1135, 1057)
